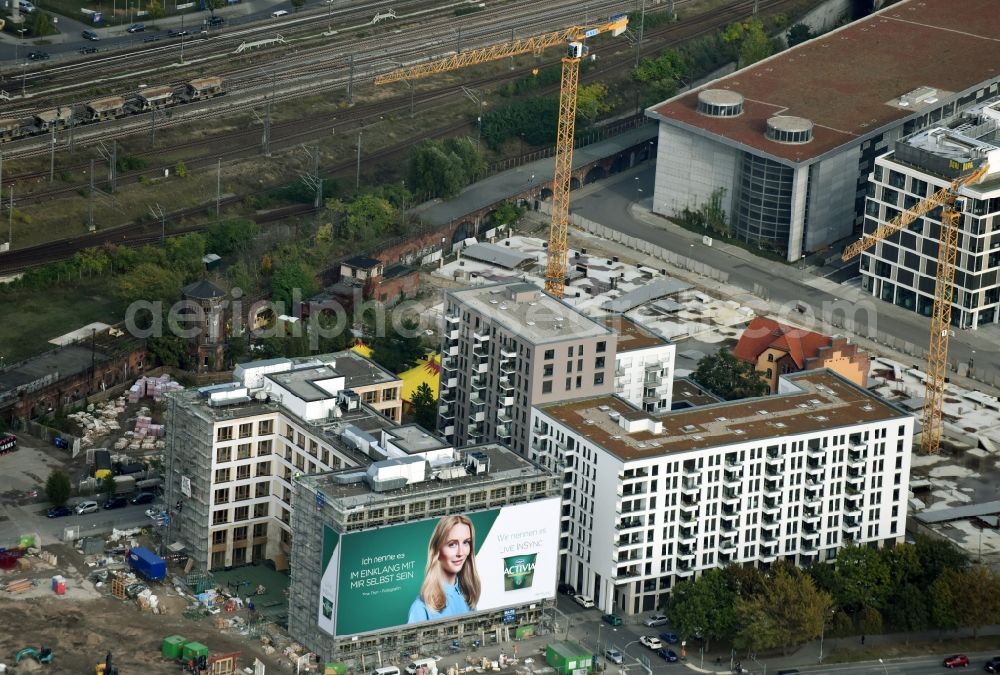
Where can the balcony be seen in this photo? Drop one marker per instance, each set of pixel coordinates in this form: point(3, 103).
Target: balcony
point(447, 412)
point(690, 486)
point(448, 430)
point(771, 530)
point(477, 383)
point(811, 516)
point(728, 544)
point(774, 461)
point(813, 488)
point(684, 570)
point(731, 497)
point(811, 536)
point(689, 509)
point(852, 527)
point(452, 318)
point(730, 520)
point(451, 334)
point(480, 337)
point(629, 523)
point(688, 535)
point(854, 498)
point(814, 471)
point(815, 451)
point(686, 554)
point(504, 431)
point(451, 382)
point(732, 481)
point(507, 353)
point(855, 482)
point(772, 507)
point(772, 487)
point(478, 417)
point(449, 363)
point(451, 351)
point(691, 471)
point(506, 401)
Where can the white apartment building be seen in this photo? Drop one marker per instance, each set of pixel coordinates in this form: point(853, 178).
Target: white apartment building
point(233, 450)
point(644, 365)
point(902, 268)
point(651, 500)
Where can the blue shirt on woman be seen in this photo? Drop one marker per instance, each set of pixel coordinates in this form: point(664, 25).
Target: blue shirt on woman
point(454, 603)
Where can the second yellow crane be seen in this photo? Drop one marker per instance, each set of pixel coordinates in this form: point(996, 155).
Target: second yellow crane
point(937, 352)
point(573, 38)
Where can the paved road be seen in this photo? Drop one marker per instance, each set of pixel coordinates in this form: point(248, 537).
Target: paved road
point(623, 203)
point(18, 520)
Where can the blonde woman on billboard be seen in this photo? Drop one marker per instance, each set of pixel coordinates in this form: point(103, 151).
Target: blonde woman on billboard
point(451, 582)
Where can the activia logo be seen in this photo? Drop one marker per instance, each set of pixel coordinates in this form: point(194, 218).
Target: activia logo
point(518, 572)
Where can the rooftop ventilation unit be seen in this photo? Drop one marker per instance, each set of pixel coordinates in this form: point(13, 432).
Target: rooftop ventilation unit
point(348, 400)
point(604, 408)
point(789, 130)
point(478, 463)
point(762, 412)
point(738, 432)
point(688, 428)
point(720, 103)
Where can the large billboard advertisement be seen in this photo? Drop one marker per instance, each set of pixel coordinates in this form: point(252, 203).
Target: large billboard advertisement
point(438, 568)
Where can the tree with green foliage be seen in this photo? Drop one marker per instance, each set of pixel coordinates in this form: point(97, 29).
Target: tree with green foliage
point(659, 78)
point(908, 611)
point(169, 350)
point(863, 577)
point(151, 282)
point(534, 120)
point(791, 610)
point(798, 34)
point(704, 607)
point(425, 407)
point(592, 102)
point(937, 556)
point(748, 41)
point(395, 351)
point(107, 486)
point(212, 5)
point(945, 596)
point(290, 276)
point(432, 172)
point(154, 9)
point(977, 593)
point(92, 261)
point(370, 216)
point(728, 377)
point(506, 214)
point(58, 488)
point(41, 24)
point(231, 236)
point(298, 4)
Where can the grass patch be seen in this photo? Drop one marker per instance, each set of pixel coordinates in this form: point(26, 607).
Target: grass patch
point(43, 316)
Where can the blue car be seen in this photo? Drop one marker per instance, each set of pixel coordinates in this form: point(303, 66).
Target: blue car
point(669, 638)
point(59, 512)
point(668, 655)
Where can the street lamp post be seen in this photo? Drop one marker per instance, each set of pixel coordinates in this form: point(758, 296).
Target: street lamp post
point(884, 670)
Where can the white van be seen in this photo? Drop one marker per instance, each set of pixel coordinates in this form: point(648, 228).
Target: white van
point(429, 667)
point(388, 670)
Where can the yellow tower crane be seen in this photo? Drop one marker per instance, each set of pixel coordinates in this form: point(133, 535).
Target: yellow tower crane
point(573, 39)
point(937, 352)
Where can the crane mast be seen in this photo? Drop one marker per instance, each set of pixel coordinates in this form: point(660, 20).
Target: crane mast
point(573, 39)
point(937, 352)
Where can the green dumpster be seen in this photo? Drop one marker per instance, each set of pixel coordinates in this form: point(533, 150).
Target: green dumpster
point(172, 647)
point(192, 650)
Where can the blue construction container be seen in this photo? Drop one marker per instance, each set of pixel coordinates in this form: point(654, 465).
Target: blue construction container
point(147, 564)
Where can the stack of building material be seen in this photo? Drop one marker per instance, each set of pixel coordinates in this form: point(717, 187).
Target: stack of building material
point(19, 585)
point(152, 386)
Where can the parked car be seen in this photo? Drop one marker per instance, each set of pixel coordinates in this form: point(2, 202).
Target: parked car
point(40, 56)
point(614, 656)
point(59, 512)
point(651, 642)
point(215, 21)
point(116, 503)
point(993, 665)
point(612, 619)
point(279, 13)
point(87, 50)
point(668, 655)
point(143, 498)
point(152, 38)
point(178, 32)
point(656, 620)
point(86, 507)
point(583, 601)
point(670, 638)
point(90, 35)
point(136, 28)
point(567, 589)
point(957, 660)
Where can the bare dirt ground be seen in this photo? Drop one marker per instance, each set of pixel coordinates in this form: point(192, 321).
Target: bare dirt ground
point(83, 625)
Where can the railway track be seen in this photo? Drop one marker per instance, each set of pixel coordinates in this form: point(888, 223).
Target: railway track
point(138, 234)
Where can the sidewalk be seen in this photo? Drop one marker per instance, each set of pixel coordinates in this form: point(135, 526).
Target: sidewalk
point(808, 654)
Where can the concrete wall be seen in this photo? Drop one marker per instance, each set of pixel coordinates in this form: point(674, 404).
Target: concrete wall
point(834, 182)
point(689, 168)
